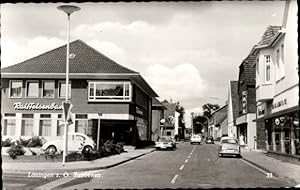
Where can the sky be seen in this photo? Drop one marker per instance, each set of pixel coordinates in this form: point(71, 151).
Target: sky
point(186, 51)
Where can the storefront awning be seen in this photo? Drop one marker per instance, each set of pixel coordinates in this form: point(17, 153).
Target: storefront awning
point(292, 109)
point(241, 120)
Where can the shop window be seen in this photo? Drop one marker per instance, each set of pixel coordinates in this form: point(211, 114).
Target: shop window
point(32, 89)
point(15, 89)
point(60, 126)
point(45, 125)
point(9, 127)
point(62, 89)
point(82, 124)
point(27, 125)
point(48, 89)
point(109, 91)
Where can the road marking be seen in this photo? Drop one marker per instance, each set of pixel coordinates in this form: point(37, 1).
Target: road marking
point(259, 169)
point(174, 179)
point(181, 168)
point(63, 180)
point(186, 161)
point(189, 156)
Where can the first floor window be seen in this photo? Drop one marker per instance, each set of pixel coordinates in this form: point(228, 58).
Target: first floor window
point(267, 68)
point(32, 89)
point(48, 89)
point(109, 91)
point(62, 89)
point(16, 89)
point(45, 125)
point(27, 125)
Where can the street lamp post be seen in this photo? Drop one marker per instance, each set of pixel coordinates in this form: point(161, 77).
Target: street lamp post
point(68, 9)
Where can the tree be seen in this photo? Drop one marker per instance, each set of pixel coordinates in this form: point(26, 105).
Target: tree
point(208, 108)
point(181, 122)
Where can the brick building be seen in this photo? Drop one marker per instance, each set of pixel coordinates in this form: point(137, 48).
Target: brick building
point(101, 90)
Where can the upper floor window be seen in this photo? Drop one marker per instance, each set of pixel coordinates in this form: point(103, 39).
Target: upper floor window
point(62, 89)
point(277, 65)
point(267, 68)
point(282, 69)
point(109, 91)
point(32, 89)
point(15, 89)
point(48, 89)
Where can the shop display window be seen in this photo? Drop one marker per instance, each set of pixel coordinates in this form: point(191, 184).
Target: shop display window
point(27, 125)
point(9, 127)
point(45, 125)
point(109, 91)
point(15, 89)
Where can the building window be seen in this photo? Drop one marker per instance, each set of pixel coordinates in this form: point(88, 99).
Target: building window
point(27, 125)
point(60, 125)
point(45, 125)
point(15, 89)
point(9, 127)
point(82, 124)
point(109, 91)
point(257, 72)
point(32, 89)
point(48, 89)
point(267, 68)
point(62, 89)
point(277, 65)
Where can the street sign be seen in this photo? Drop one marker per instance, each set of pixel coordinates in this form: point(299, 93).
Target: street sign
point(67, 106)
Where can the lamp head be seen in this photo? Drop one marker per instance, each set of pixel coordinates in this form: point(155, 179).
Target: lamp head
point(69, 9)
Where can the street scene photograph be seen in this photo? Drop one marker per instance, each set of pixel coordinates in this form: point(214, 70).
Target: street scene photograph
point(150, 95)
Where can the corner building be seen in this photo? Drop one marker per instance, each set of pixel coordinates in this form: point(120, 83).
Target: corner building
point(277, 86)
point(103, 93)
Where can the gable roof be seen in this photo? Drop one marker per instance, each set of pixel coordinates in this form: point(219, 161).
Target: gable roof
point(158, 104)
point(86, 60)
point(87, 63)
point(270, 35)
point(246, 68)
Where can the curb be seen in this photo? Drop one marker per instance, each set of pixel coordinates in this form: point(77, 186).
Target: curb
point(261, 167)
point(79, 169)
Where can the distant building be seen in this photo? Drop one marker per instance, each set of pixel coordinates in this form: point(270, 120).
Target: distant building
point(170, 120)
point(277, 85)
point(246, 127)
point(220, 122)
point(157, 115)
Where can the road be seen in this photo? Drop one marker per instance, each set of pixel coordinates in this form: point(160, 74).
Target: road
point(189, 166)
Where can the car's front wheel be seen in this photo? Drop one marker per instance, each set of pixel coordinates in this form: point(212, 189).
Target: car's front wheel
point(51, 149)
point(87, 149)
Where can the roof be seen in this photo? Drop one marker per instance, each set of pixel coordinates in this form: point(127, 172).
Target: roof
point(271, 33)
point(157, 103)
point(87, 63)
point(86, 60)
point(246, 68)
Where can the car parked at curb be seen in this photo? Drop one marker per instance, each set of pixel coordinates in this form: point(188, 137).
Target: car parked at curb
point(196, 139)
point(229, 146)
point(76, 143)
point(165, 142)
point(209, 140)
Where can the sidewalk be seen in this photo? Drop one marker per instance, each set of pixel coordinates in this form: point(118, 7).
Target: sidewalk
point(278, 168)
point(102, 163)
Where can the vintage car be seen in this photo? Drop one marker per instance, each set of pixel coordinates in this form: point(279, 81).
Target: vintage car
point(165, 142)
point(76, 143)
point(229, 146)
point(196, 139)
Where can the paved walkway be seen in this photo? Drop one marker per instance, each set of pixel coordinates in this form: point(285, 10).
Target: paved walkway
point(102, 163)
point(278, 168)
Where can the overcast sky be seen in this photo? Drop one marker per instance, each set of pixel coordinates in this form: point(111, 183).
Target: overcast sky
point(186, 51)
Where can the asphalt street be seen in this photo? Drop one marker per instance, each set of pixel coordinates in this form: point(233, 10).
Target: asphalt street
point(189, 166)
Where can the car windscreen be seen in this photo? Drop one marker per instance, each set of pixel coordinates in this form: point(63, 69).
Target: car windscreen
point(229, 141)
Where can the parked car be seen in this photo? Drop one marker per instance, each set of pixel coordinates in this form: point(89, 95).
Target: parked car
point(165, 142)
point(76, 143)
point(196, 139)
point(229, 146)
point(209, 140)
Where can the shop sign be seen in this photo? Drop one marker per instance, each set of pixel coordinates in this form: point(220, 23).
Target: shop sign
point(244, 101)
point(261, 110)
point(36, 106)
point(139, 111)
point(279, 104)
